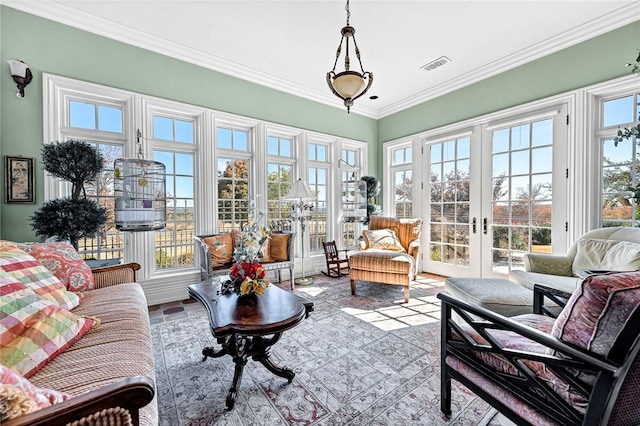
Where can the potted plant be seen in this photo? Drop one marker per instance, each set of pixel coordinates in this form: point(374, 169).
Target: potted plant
point(373, 189)
point(74, 217)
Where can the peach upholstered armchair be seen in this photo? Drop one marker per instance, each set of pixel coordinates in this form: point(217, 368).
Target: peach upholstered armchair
point(389, 253)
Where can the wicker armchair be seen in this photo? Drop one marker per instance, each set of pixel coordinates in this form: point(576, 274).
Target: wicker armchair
point(582, 368)
point(389, 253)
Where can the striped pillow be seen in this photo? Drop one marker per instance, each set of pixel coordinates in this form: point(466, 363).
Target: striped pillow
point(33, 330)
point(29, 271)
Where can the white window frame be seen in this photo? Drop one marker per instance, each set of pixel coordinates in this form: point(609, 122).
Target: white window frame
point(169, 285)
point(589, 155)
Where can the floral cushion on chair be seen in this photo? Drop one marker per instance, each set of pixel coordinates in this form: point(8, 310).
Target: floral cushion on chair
point(64, 262)
point(597, 310)
point(220, 249)
point(18, 396)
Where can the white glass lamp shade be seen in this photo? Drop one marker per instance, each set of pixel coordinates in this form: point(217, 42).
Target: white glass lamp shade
point(299, 191)
point(18, 69)
point(349, 84)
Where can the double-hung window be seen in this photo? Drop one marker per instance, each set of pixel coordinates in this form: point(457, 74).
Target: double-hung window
point(402, 175)
point(233, 163)
point(318, 179)
point(171, 140)
point(280, 164)
point(619, 160)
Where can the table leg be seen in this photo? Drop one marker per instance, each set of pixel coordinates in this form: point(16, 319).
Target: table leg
point(278, 371)
point(240, 361)
point(260, 353)
point(212, 353)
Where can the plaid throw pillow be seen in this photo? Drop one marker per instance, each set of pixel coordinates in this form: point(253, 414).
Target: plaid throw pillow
point(18, 396)
point(33, 330)
point(26, 269)
point(64, 262)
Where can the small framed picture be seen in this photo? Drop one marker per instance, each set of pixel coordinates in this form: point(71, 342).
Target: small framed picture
point(19, 180)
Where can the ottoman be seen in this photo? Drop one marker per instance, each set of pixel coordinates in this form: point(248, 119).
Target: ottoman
point(498, 295)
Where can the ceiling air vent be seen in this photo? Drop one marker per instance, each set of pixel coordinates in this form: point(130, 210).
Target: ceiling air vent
point(435, 64)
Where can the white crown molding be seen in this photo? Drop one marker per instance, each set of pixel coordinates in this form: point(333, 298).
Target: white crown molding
point(603, 24)
point(69, 16)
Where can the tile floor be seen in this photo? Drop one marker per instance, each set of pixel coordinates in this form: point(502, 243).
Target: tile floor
point(173, 311)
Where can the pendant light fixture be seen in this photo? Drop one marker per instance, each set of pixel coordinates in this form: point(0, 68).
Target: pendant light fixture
point(348, 85)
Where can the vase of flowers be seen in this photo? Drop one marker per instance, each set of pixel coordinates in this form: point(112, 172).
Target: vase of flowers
point(247, 275)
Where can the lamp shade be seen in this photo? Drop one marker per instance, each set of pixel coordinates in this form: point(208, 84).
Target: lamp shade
point(349, 84)
point(299, 191)
point(18, 68)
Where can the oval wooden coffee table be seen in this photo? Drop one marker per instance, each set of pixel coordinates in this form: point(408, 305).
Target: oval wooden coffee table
point(240, 325)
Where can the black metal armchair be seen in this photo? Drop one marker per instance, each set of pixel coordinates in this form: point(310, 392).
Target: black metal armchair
point(538, 370)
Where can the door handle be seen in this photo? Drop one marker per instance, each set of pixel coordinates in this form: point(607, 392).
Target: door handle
point(484, 225)
point(474, 225)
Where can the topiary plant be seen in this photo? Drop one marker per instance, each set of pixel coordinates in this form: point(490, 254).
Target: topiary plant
point(373, 189)
point(74, 217)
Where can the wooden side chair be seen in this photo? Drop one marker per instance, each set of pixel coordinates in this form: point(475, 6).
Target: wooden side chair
point(336, 262)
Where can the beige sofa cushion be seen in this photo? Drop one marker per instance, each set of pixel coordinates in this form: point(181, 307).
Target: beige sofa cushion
point(608, 255)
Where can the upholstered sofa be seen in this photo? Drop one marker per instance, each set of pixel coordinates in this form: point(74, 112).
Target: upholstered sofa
point(614, 248)
point(389, 252)
point(99, 369)
point(216, 253)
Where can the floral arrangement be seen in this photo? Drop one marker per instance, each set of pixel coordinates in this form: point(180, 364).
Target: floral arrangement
point(247, 273)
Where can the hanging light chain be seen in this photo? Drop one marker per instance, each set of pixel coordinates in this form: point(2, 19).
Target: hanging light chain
point(348, 12)
point(140, 153)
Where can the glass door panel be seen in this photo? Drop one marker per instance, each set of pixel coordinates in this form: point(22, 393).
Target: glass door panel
point(522, 212)
point(450, 226)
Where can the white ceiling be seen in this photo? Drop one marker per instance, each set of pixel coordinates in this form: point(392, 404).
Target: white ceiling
point(290, 45)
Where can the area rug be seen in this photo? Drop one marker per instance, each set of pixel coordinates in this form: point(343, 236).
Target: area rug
point(359, 360)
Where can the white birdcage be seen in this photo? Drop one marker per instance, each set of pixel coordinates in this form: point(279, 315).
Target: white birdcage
point(139, 187)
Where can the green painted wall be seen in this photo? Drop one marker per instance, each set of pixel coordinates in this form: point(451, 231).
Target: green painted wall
point(66, 51)
point(62, 50)
point(593, 61)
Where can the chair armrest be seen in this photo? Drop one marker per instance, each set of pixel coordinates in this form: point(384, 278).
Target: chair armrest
point(557, 296)
point(116, 274)
point(487, 319)
point(414, 249)
point(129, 394)
point(548, 264)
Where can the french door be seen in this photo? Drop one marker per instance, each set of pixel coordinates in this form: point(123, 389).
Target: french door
point(496, 194)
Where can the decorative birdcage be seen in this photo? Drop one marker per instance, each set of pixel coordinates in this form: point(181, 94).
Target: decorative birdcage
point(139, 187)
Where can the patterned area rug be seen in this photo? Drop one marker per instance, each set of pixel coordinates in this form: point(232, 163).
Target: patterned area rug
point(363, 360)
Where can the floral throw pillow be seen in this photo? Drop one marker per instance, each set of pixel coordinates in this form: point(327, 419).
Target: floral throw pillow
point(220, 249)
point(18, 396)
point(64, 262)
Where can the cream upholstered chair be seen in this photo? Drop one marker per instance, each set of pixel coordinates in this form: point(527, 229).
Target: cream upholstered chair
point(389, 253)
point(613, 248)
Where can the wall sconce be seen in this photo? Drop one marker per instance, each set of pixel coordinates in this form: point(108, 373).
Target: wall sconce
point(21, 75)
